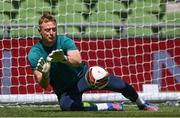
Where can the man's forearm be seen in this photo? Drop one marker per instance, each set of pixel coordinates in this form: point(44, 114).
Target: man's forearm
point(44, 81)
point(73, 61)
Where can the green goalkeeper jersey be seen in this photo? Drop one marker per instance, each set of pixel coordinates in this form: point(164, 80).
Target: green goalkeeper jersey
point(62, 76)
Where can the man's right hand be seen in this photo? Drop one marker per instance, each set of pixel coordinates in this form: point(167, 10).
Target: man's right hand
point(43, 67)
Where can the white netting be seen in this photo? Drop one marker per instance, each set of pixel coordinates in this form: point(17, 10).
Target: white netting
point(137, 40)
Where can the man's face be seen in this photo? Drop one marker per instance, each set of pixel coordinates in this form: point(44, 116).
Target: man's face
point(48, 31)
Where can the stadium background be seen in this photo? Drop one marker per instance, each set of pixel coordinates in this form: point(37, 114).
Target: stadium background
point(121, 35)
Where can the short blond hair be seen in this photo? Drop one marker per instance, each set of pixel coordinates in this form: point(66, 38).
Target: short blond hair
point(46, 17)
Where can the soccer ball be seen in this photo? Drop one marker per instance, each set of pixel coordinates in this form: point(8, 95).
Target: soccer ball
point(97, 77)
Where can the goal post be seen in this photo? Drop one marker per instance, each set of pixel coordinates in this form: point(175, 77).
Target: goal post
point(138, 41)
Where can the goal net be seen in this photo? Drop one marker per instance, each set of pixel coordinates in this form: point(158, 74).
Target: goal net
point(137, 40)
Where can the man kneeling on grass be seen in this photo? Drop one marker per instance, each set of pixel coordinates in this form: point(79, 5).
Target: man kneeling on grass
point(55, 59)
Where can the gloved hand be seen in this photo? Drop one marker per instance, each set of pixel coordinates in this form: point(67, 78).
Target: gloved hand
point(57, 56)
point(43, 67)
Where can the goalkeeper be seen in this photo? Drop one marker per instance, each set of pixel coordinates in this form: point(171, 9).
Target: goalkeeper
point(55, 59)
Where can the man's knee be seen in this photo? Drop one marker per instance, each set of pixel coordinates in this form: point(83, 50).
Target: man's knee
point(68, 104)
point(65, 104)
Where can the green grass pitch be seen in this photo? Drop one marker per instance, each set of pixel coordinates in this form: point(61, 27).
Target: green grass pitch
point(54, 111)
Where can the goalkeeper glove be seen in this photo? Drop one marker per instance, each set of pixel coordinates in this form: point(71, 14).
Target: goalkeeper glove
point(43, 67)
point(57, 56)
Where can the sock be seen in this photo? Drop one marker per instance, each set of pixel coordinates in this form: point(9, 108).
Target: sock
point(102, 106)
point(110, 107)
point(140, 101)
point(95, 106)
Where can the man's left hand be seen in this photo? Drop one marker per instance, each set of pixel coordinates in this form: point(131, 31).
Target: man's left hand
point(57, 56)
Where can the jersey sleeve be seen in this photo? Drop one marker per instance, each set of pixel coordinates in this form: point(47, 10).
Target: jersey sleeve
point(33, 58)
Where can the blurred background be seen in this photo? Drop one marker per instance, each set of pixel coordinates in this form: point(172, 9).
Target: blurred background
point(93, 18)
